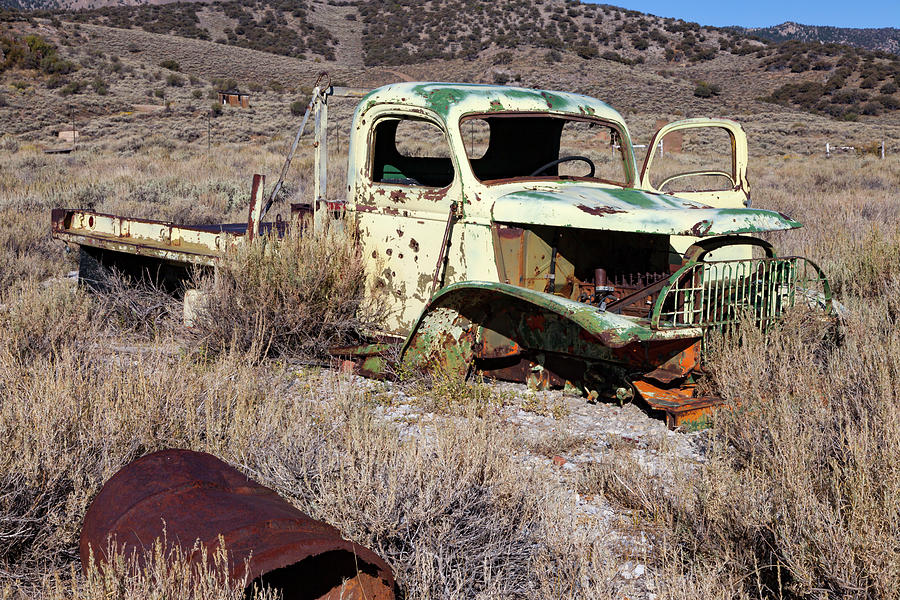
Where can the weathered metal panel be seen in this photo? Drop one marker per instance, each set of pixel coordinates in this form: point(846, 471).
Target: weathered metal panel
point(187, 496)
point(611, 209)
point(157, 239)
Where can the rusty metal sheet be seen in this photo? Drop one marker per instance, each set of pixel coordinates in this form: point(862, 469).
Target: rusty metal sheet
point(681, 406)
point(195, 496)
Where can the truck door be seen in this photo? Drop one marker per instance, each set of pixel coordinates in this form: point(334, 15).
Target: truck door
point(402, 201)
point(703, 160)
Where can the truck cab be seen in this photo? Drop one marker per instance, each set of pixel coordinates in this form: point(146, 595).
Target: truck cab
point(538, 189)
point(515, 234)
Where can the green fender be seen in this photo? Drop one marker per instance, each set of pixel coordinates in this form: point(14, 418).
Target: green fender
point(451, 329)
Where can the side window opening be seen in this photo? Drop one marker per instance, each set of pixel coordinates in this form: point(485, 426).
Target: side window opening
point(410, 151)
point(698, 159)
point(502, 147)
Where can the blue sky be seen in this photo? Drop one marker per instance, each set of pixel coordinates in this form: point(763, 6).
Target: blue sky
point(762, 13)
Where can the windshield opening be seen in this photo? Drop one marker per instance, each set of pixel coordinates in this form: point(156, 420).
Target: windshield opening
point(542, 146)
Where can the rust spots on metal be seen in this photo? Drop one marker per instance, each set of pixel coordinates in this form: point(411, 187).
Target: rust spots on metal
point(677, 367)
point(180, 496)
point(399, 233)
point(398, 196)
point(535, 322)
point(681, 406)
point(599, 211)
point(414, 245)
point(435, 195)
point(390, 210)
point(547, 99)
point(701, 228)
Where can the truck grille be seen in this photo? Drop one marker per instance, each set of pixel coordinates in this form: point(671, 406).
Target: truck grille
point(720, 292)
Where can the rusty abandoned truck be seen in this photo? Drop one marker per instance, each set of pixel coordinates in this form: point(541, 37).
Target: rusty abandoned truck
point(517, 238)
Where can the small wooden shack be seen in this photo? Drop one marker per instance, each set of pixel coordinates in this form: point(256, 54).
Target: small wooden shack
point(234, 98)
point(68, 135)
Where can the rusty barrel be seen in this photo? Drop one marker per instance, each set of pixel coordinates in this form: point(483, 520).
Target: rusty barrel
point(195, 496)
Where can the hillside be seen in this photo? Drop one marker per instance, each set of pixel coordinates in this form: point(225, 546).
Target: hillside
point(170, 59)
point(831, 79)
point(885, 39)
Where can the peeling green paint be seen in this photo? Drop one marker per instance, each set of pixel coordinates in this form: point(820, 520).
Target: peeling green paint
point(613, 209)
point(452, 100)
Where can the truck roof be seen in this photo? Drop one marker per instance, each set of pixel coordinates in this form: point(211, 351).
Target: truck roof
point(453, 100)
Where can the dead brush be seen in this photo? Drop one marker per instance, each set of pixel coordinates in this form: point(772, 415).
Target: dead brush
point(799, 495)
point(134, 307)
point(443, 391)
point(454, 514)
point(293, 297)
point(164, 571)
point(40, 319)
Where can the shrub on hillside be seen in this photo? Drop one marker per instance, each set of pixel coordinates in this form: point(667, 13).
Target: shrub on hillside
point(706, 90)
point(224, 84)
point(32, 52)
point(888, 102)
point(298, 107)
point(170, 64)
point(100, 86)
point(614, 56)
point(73, 87)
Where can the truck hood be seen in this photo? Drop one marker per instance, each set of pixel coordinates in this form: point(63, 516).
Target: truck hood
point(612, 209)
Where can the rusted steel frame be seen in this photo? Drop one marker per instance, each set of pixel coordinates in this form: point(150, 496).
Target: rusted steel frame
point(255, 210)
point(320, 163)
point(167, 238)
point(679, 404)
point(618, 305)
point(323, 75)
point(520, 370)
point(181, 256)
point(694, 254)
point(180, 496)
point(699, 249)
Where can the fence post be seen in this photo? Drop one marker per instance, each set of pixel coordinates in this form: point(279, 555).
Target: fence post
point(827, 150)
point(882, 149)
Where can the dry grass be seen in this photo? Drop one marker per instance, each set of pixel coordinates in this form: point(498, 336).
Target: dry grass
point(801, 494)
point(453, 513)
point(799, 497)
point(297, 296)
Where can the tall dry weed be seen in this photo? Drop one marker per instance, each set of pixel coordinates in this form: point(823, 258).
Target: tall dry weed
point(295, 296)
point(451, 511)
point(800, 496)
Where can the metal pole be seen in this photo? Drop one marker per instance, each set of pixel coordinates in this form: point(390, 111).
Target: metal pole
point(208, 128)
point(321, 166)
